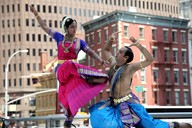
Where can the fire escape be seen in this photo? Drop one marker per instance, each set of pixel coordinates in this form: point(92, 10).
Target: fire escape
point(164, 60)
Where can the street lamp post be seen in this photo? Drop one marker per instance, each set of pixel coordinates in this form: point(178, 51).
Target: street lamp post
point(6, 81)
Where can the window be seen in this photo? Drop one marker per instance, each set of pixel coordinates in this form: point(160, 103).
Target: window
point(177, 97)
point(155, 97)
point(9, 39)
point(183, 37)
point(60, 9)
point(14, 38)
point(3, 38)
point(165, 35)
point(3, 23)
point(185, 78)
point(13, 22)
point(55, 9)
point(114, 28)
point(15, 82)
point(28, 81)
point(84, 12)
point(176, 77)
point(33, 37)
point(38, 8)
point(26, 7)
point(33, 22)
point(49, 8)
point(144, 100)
point(55, 23)
point(8, 23)
point(141, 33)
point(92, 39)
point(34, 52)
point(168, 97)
point(34, 67)
point(8, 8)
point(143, 75)
point(20, 69)
point(44, 8)
point(166, 55)
point(51, 52)
point(50, 23)
point(106, 34)
point(155, 55)
point(75, 11)
point(154, 34)
point(13, 8)
point(174, 36)
point(19, 22)
point(65, 10)
point(27, 22)
point(184, 56)
point(79, 12)
point(20, 82)
point(175, 56)
point(28, 67)
point(155, 75)
point(126, 31)
point(14, 67)
point(39, 37)
point(45, 38)
point(186, 98)
point(32, 101)
point(167, 76)
point(99, 37)
point(2, 8)
point(70, 11)
point(18, 6)
point(27, 37)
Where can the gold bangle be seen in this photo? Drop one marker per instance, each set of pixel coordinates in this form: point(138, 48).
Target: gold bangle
point(138, 44)
point(37, 16)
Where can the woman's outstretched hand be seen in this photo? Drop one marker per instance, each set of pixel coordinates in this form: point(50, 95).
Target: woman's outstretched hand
point(33, 10)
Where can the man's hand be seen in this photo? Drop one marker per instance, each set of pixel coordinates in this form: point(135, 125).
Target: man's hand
point(113, 36)
point(134, 41)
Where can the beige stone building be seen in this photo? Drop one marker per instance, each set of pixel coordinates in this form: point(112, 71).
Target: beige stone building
point(19, 30)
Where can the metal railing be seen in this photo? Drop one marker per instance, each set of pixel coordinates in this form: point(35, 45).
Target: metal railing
point(56, 121)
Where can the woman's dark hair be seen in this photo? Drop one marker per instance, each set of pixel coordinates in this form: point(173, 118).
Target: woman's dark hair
point(129, 53)
point(68, 22)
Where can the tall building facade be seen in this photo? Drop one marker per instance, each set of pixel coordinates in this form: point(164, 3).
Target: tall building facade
point(166, 40)
point(20, 30)
point(185, 7)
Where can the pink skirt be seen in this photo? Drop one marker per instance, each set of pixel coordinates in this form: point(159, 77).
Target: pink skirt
point(74, 90)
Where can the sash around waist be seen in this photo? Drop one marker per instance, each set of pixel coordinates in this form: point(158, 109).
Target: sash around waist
point(62, 61)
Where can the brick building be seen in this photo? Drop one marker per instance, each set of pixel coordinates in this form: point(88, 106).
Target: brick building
point(166, 39)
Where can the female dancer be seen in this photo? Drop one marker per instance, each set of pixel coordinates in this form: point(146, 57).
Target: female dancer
point(77, 83)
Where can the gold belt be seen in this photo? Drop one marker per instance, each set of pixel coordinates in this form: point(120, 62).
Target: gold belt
point(62, 61)
point(123, 99)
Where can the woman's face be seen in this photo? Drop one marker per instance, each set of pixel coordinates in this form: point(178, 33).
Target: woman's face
point(72, 28)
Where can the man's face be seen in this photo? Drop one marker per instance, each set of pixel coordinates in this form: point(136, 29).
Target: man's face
point(120, 56)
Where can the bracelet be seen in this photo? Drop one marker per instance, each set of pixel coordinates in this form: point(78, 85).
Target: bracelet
point(138, 44)
point(37, 16)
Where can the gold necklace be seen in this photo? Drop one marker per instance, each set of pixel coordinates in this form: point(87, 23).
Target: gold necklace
point(66, 49)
